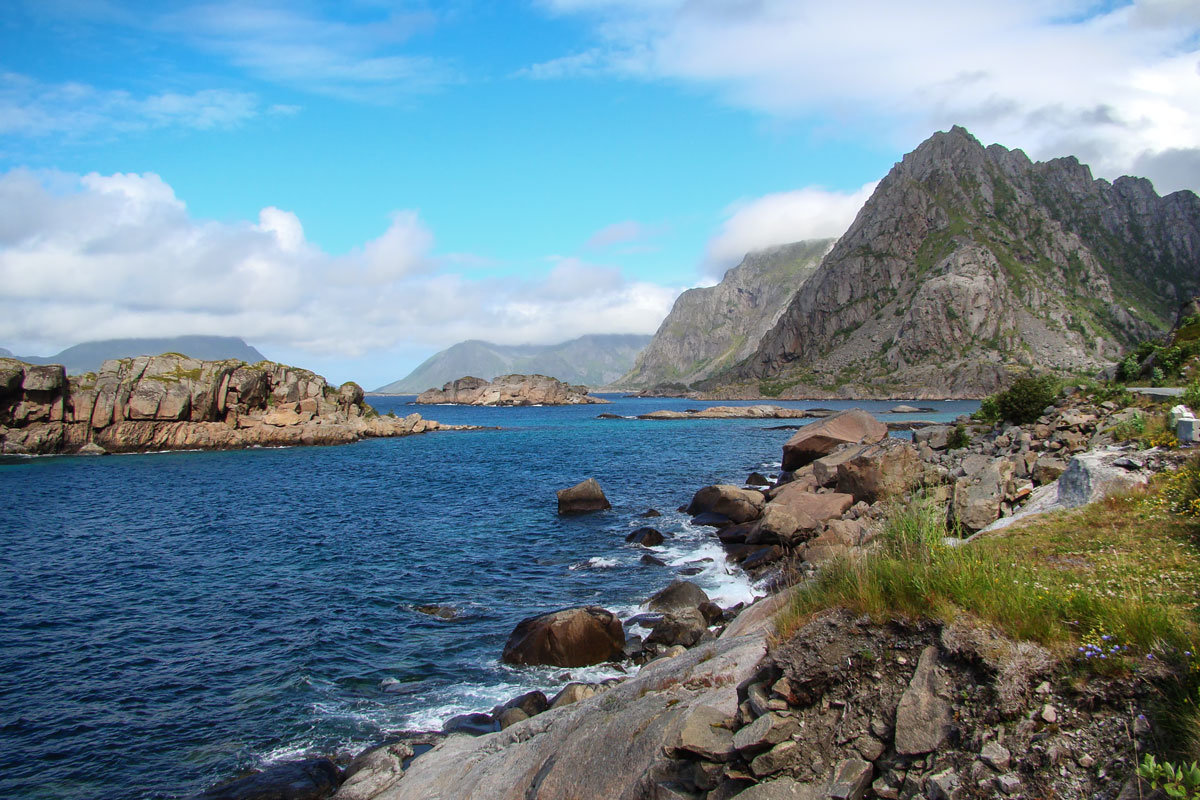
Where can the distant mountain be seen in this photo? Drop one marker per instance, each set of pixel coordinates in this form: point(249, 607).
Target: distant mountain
point(6, 353)
point(593, 360)
point(716, 327)
point(969, 264)
point(88, 357)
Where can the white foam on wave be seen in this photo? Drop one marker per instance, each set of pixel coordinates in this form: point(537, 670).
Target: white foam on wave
point(596, 562)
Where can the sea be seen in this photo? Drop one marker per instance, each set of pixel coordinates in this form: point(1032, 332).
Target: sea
point(170, 620)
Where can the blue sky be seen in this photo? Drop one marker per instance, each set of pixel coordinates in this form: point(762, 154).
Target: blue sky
point(352, 186)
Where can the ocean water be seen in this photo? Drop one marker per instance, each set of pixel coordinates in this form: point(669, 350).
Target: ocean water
point(170, 619)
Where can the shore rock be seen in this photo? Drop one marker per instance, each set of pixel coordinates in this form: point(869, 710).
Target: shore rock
point(881, 470)
point(737, 504)
point(824, 436)
point(570, 637)
point(582, 497)
point(509, 390)
point(678, 596)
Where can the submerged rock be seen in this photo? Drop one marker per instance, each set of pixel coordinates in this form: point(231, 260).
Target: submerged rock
point(310, 779)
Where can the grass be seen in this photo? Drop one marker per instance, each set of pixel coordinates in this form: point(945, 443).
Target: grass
point(1104, 588)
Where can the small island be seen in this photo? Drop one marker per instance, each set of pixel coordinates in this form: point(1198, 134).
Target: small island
point(509, 390)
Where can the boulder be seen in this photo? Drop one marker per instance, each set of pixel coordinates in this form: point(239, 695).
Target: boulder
point(682, 627)
point(679, 595)
point(780, 525)
point(936, 436)
point(350, 394)
point(310, 779)
point(570, 637)
point(739, 505)
point(802, 503)
point(825, 469)
point(705, 733)
point(891, 467)
point(822, 437)
point(572, 693)
point(978, 498)
point(646, 537)
point(475, 724)
point(582, 498)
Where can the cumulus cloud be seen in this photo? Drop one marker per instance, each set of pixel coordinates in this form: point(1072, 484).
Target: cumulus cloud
point(1113, 85)
point(780, 218)
point(112, 256)
point(29, 107)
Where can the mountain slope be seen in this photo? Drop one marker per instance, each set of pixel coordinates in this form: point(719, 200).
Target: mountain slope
point(88, 356)
point(593, 360)
point(969, 263)
point(713, 328)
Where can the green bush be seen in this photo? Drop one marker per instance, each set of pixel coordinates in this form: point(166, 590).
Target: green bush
point(1178, 781)
point(989, 411)
point(959, 438)
point(1191, 396)
point(1024, 401)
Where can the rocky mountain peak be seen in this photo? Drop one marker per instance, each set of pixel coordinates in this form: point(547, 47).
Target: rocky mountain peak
point(971, 262)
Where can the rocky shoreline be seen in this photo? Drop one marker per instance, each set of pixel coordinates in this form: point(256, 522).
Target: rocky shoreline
point(847, 707)
point(172, 402)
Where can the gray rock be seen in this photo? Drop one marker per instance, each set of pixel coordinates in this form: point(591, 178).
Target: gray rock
point(942, 786)
point(996, 756)
point(783, 789)
point(851, 780)
point(704, 733)
point(679, 595)
point(766, 731)
point(682, 627)
point(923, 716)
point(779, 757)
point(373, 771)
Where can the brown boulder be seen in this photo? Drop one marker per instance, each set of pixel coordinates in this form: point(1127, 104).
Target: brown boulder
point(888, 468)
point(824, 436)
point(803, 503)
point(825, 469)
point(570, 637)
point(739, 505)
point(582, 497)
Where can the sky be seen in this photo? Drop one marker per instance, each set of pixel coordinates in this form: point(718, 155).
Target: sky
point(351, 186)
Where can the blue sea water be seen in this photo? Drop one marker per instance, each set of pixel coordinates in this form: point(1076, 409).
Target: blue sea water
point(171, 619)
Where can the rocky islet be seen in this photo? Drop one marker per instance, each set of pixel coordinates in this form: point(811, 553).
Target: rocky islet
point(173, 402)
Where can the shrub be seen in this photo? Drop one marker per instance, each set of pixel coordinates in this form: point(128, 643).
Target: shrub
point(989, 411)
point(1182, 490)
point(1179, 782)
point(1191, 396)
point(1128, 369)
point(1024, 401)
point(959, 438)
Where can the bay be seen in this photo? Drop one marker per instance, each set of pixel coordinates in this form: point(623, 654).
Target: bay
point(171, 619)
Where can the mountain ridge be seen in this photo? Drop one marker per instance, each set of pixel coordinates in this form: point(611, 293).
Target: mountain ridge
point(88, 356)
point(591, 360)
point(712, 328)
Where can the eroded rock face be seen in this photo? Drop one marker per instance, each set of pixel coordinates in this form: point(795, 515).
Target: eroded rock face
point(171, 402)
point(824, 436)
point(509, 390)
point(571, 637)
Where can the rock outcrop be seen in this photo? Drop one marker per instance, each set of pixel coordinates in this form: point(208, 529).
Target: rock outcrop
point(968, 263)
point(172, 402)
point(509, 390)
point(713, 328)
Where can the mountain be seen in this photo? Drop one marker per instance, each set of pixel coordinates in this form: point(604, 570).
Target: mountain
point(593, 360)
point(6, 353)
point(716, 327)
point(88, 357)
point(968, 264)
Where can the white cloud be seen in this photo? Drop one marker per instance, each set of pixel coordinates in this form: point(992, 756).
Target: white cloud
point(623, 232)
point(111, 256)
point(780, 218)
point(29, 107)
point(1054, 78)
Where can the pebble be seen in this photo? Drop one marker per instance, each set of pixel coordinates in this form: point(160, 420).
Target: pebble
point(1085, 761)
point(1049, 714)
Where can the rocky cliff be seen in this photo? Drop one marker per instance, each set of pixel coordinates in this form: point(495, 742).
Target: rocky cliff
point(714, 328)
point(172, 402)
point(593, 360)
point(969, 263)
point(90, 356)
point(509, 390)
